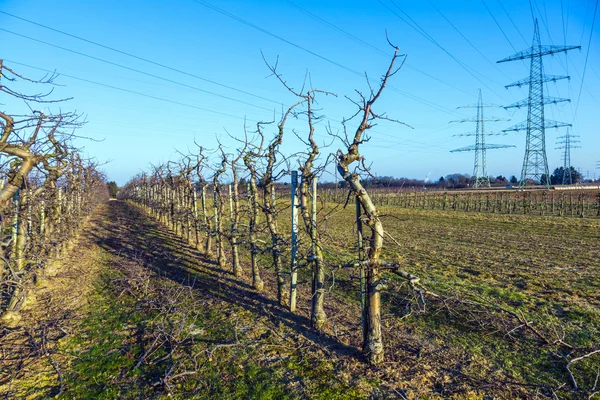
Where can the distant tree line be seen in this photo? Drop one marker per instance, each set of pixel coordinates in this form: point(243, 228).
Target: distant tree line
point(556, 178)
point(112, 189)
point(453, 181)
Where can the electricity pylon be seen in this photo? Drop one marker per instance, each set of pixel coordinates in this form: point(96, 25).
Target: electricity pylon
point(567, 144)
point(480, 176)
point(535, 163)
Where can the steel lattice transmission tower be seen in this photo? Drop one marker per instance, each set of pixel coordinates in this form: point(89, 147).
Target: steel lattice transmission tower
point(569, 142)
point(535, 163)
point(480, 176)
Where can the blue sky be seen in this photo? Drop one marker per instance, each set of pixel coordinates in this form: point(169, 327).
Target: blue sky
point(218, 77)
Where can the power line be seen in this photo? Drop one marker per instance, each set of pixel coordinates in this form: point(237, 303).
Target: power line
point(583, 24)
point(131, 91)
point(567, 144)
point(466, 39)
point(135, 70)
point(254, 26)
point(512, 22)
point(499, 26)
point(531, 9)
point(545, 23)
point(586, 60)
point(416, 98)
point(141, 58)
point(427, 36)
point(149, 61)
point(247, 23)
point(562, 17)
point(568, 10)
point(370, 46)
point(480, 175)
point(546, 18)
point(346, 33)
point(180, 103)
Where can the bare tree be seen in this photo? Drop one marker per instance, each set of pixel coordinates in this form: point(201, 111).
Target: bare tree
point(372, 344)
point(36, 140)
point(307, 167)
point(202, 183)
point(268, 184)
point(20, 135)
point(218, 208)
point(234, 208)
point(250, 157)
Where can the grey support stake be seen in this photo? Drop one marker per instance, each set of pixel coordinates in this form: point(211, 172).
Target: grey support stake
point(293, 264)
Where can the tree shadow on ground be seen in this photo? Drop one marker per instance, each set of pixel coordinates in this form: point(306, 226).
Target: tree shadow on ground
point(133, 235)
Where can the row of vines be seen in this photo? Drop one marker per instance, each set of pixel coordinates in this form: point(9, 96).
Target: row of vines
point(573, 203)
point(249, 219)
point(46, 188)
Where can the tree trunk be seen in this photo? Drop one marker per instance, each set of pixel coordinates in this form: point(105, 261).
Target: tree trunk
point(234, 216)
point(373, 343)
point(18, 295)
point(270, 212)
point(257, 282)
point(207, 225)
point(318, 315)
point(218, 210)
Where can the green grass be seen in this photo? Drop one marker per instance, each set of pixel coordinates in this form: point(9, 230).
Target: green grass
point(544, 268)
point(111, 339)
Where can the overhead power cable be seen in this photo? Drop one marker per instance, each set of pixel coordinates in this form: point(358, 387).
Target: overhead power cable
point(512, 22)
point(254, 26)
point(141, 58)
point(532, 13)
point(131, 91)
point(247, 23)
point(466, 39)
point(346, 33)
point(587, 8)
point(424, 33)
point(135, 70)
point(371, 47)
point(499, 26)
point(416, 98)
point(178, 102)
point(586, 60)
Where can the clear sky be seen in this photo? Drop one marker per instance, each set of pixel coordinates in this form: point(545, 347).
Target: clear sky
point(216, 77)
